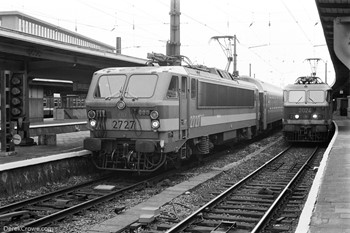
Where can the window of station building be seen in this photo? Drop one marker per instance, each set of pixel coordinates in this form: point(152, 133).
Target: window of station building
point(193, 88)
point(316, 96)
point(173, 88)
point(55, 102)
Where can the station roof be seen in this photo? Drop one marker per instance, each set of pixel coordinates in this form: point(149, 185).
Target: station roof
point(47, 58)
point(329, 10)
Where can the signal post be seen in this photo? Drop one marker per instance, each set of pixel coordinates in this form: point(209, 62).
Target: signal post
point(14, 111)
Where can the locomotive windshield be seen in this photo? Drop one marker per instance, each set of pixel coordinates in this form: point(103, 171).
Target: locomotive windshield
point(110, 86)
point(141, 86)
point(296, 96)
point(316, 96)
point(312, 96)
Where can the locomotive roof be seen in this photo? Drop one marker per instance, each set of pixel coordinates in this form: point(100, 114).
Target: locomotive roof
point(209, 73)
point(145, 69)
point(319, 86)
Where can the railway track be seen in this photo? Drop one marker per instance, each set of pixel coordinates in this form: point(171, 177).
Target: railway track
point(250, 205)
point(45, 209)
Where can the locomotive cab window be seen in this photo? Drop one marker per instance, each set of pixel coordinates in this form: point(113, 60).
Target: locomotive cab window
point(173, 88)
point(110, 86)
point(141, 86)
point(316, 96)
point(296, 96)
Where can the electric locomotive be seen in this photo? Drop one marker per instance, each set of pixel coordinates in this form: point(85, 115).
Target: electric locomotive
point(307, 113)
point(142, 118)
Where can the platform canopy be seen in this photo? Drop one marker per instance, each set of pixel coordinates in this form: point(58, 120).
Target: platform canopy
point(335, 20)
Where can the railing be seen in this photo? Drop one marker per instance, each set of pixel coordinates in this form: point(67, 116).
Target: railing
point(27, 24)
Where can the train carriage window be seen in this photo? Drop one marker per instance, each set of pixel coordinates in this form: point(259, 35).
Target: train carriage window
point(316, 96)
point(193, 88)
point(173, 87)
point(141, 86)
point(296, 96)
point(110, 86)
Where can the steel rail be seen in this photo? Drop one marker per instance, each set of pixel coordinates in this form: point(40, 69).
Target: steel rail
point(20, 204)
point(77, 208)
point(184, 223)
point(284, 192)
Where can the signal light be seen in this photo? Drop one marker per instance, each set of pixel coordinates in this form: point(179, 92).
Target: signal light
point(17, 95)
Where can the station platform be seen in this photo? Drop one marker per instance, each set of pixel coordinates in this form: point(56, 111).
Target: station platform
point(327, 208)
point(65, 142)
point(31, 167)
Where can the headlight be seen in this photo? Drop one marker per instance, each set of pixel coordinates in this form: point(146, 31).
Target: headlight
point(93, 123)
point(154, 115)
point(91, 114)
point(155, 124)
point(121, 105)
point(314, 116)
point(296, 116)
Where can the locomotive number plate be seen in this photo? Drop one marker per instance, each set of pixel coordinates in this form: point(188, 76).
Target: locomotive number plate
point(305, 110)
point(123, 124)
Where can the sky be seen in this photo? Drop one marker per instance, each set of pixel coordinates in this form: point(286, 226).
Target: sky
point(274, 37)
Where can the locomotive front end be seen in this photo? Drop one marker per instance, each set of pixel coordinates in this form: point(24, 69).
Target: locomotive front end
point(307, 113)
point(124, 121)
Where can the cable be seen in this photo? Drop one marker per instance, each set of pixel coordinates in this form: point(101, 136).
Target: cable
point(296, 21)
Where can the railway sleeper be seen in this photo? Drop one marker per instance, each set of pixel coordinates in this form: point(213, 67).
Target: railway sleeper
point(297, 197)
point(293, 205)
point(301, 189)
point(291, 210)
point(247, 203)
point(279, 228)
point(239, 212)
point(272, 184)
point(289, 215)
point(260, 187)
point(241, 207)
point(239, 225)
point(259, 200)
point(91, 193)
point(199, 229)
point(230, 218)
point(262, 196)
